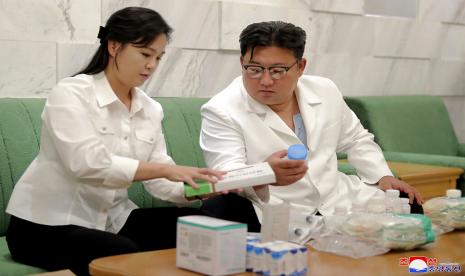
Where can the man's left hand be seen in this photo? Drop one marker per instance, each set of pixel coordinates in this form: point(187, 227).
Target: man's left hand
point(390, 182)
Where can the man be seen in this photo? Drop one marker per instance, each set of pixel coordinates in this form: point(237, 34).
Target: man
point(272, 106)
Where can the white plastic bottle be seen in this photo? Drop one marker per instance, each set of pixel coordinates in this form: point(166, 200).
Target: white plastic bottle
point(393, 203)
point(376, 205)
point(340, 210)
point(339, 214)
point(358, 207)
point(454, 216)
point(406, 209)
point(453, 197)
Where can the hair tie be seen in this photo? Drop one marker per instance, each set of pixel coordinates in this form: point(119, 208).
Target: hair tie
point(102, 34)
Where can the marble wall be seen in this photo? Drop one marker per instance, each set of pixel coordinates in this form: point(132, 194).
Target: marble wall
point(43, 41)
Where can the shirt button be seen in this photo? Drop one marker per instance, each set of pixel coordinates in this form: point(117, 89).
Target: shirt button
point(151, 139)
point(125, 137)
point(104, 128)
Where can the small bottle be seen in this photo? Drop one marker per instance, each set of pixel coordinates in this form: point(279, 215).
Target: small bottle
point(376, 205)
point(392, 201)
point(338, 217)
point(454, 216)
point(357, 207)
point(406, 209)
point(340, 210)
point(297, 152)
point(453, 196)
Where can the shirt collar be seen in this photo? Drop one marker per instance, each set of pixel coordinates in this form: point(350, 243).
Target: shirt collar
point(305, 94)
point(137, 103)
point(104, 93)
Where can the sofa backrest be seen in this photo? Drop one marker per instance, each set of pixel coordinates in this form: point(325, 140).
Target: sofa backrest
point(417, 124)
point(20, 125)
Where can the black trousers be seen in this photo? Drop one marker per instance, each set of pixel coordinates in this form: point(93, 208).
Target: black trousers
point(74, 247)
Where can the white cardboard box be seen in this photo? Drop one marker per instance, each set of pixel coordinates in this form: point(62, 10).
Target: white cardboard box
point(252, 175)
point(210, 246)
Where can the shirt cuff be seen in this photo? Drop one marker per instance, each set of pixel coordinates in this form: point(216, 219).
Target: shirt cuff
point(121, 172)
point(260, 196)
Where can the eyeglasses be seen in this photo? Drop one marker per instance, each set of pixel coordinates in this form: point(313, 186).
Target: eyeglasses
point(276, 72)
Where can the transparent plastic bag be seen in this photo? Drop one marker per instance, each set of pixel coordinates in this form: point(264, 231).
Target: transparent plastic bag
point(446, 214)
point(456, 216)
point(353, 237)
point(346, 245)
point(406, 232)
point(364, 235)
point(365, 226)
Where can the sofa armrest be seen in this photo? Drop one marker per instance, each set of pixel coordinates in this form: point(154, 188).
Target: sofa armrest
point(461, 149)
point(430, 159)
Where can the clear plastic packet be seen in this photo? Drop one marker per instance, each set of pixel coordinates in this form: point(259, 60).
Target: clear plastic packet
point(365, 235)
point(446, 213)
point(456, 216)
point(355, 236)
point(406, 232)
point(364, 226)
point(346, 245)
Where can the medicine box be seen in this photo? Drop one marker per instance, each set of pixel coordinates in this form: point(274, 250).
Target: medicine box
point(252, 175)
point(210, 246)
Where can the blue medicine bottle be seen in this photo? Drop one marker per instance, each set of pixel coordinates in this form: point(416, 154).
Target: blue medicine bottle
point(297, 152)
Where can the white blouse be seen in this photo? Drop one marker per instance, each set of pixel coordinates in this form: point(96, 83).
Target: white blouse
point(90, 149)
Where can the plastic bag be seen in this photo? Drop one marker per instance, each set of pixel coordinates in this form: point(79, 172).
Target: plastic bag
point(351, 236)
point(364, 235)
point(446, 214)
point(406, 232)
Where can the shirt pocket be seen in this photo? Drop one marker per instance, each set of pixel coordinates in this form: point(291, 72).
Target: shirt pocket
point(106, 133)
point(144, 143)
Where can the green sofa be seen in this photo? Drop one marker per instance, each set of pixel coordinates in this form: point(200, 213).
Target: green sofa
point(411, 129)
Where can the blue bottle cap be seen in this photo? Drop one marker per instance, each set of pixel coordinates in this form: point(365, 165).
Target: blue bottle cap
point(297, 152)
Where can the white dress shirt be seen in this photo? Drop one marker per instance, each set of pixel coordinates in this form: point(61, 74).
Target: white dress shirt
point(90, 149)
point(237, 131)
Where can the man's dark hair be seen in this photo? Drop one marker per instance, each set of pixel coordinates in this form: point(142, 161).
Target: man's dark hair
point(136, 25)
point(273, 33)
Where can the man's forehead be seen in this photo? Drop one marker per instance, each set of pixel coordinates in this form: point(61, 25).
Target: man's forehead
point(268, 54)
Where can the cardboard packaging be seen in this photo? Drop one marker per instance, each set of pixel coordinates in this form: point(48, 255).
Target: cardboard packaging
point(256, 174)
point(210, 246)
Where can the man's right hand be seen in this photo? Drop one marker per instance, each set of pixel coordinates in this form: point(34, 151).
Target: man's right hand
point(286, 171)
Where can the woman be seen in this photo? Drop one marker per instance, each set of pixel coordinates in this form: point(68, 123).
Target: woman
point(100, 133)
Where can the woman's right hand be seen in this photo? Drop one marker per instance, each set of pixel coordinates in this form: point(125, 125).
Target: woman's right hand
point(146, 171)
point(189, 174)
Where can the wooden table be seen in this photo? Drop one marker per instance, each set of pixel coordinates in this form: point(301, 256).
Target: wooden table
point(430, 181)
point(449, 248)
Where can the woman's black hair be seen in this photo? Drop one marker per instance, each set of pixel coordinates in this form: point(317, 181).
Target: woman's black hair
point(273, 33)
point(136, 25)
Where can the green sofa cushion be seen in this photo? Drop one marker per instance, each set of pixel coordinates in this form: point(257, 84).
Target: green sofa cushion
point(181, 127)
point(10, 267)
point(416, 124)
point(19, 143)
